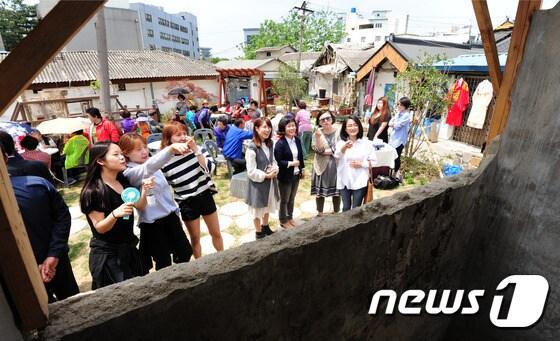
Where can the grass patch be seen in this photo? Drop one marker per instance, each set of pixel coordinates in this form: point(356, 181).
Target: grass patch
point(235, 230)
point(79, 257)
point(417, 171)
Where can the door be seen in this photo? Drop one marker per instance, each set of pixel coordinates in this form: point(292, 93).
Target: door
point(390, 94)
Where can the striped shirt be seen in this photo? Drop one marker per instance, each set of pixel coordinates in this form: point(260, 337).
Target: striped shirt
point(187, 177)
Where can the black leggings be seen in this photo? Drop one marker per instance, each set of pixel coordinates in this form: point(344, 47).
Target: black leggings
point(320, 201)
point(398, 159)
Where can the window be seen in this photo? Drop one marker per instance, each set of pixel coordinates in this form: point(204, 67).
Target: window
point(185, 53)
point(122, 87)
point(165, 36)
point(174, 26)
point(166, 49)
point(268, 54)
point(378, 25)
point(152, 47)
point(188, 53)
point(363, 39)
point(377, 38)
point(184, 41)
point(348, 40)
point(148, 17)
point(163, 22)
point(177, 50)
point(184, 29)
point(150, 32)
point(176, 39)
point(365, 27)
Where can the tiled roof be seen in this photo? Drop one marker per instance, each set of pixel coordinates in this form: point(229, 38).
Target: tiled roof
point(293, 56)
point(243, 63)
point(82, 66)
point(273, 48)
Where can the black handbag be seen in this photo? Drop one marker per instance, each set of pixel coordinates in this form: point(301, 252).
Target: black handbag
point(385, 182)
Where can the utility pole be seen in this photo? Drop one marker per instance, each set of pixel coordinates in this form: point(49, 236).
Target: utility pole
point(103, 58)
point(304, 11)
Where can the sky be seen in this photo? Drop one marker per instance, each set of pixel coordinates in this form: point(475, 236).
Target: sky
point(221, 22)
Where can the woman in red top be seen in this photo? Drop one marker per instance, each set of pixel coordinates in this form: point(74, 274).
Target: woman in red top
point(101, 129)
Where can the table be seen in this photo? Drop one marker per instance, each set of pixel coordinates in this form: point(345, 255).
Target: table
point(385, 156)
point(51, 151)
point(239, 185)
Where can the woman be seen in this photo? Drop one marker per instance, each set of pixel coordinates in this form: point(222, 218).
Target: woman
point(288, 153)
point(304, 128)
point(323, 183)
point(353, 154)
point(113, 255)
point(189, 175)
point(262, 169)
point(379, 120)
point(161, 233)
point(400, 124)
point(128, 124)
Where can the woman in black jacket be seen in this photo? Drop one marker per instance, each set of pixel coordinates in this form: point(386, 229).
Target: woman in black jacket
point(288, 153)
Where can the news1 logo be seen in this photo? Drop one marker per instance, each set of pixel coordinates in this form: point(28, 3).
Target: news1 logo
point(525, 309)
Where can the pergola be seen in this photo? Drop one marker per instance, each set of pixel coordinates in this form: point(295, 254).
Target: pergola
point(241, 72)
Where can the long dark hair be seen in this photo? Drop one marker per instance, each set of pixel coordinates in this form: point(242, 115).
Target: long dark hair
point(94, 194)
point(256, 138)
point(344, 135)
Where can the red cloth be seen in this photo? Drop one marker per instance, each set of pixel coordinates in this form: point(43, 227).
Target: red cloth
point(459, 94)
point(37, 155)
point(107, 131)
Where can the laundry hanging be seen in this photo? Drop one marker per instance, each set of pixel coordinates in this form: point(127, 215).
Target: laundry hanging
point(480, 101)
point(459, 96)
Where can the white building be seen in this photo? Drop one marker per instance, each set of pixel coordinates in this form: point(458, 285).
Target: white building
point(371, 29)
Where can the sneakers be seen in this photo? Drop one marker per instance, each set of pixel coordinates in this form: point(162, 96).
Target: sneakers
point(260, 235)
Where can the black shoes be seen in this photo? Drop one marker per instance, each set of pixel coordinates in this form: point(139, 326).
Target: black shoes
point(266, 229)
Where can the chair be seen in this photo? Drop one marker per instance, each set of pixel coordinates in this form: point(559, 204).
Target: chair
point(204, 134)
point(218, 157)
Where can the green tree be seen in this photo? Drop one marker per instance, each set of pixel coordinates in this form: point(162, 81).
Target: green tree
point(321, 27)
point(426, 87)
point(16, 21)
point(216, 60)
point(289, 85)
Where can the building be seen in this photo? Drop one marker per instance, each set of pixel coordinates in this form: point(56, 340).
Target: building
point(168, 32)
point(364, 30)
point(137, 26)
point(333, 74)
point(249, 33)
point(205, 53)
point(307, 61)
point(273, 52)
point(140, 78)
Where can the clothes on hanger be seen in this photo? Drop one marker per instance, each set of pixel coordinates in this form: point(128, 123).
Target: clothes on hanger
point(480, 101)
point(459, 95)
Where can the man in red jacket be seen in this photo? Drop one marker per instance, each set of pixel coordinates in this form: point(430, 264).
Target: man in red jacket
point(101, 130)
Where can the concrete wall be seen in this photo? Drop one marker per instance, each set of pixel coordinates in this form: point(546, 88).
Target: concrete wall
point(520, 233)
point(8, 328)
point(313, 283)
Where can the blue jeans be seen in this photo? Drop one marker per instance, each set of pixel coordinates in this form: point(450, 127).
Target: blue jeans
point(352, 198)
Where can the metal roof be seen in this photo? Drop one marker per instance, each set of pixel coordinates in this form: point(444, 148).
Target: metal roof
point(469, 63)
point(274, 48)
point(243, 63)
point(82, 66)
point(413, 49)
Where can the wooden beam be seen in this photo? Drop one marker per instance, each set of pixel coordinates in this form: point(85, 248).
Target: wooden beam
point(386, 52)
point(40, 46)
point(17, 262)
point(488, 41)
point(525, 11)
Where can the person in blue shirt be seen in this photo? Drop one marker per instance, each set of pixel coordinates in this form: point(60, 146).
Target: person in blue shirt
point(221, 131)
point(233, 145)
point(400, 124)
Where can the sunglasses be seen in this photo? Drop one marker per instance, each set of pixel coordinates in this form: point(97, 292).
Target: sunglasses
point(323, 119)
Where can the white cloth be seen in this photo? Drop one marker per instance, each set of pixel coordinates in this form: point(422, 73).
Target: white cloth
point(293, 148)
point(258, 175)
point(480, 101)
point(349, 177)
point(385, 157)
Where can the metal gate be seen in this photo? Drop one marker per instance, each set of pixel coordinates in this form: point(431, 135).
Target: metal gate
point(466, 134)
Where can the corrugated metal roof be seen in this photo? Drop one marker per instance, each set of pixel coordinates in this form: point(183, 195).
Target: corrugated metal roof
point(355, 58)
point(293, 56)
point(82, 66)
point(469, 63)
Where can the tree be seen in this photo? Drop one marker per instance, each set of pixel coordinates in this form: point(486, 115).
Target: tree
point(216, 60)
point(321, 27)
point(289, 85)
point(426, 87)
point(16, 21)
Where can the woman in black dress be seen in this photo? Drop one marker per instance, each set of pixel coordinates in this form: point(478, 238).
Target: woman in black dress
point(113, 255)
point(379, 120)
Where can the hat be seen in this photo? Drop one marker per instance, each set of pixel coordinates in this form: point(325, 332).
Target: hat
point(315, 108)
point(141, 114)
point(142, 119)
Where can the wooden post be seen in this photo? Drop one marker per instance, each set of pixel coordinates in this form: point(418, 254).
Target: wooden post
point(488, 41)
point(220, 86)
point(17, 262)
point(525, 10)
